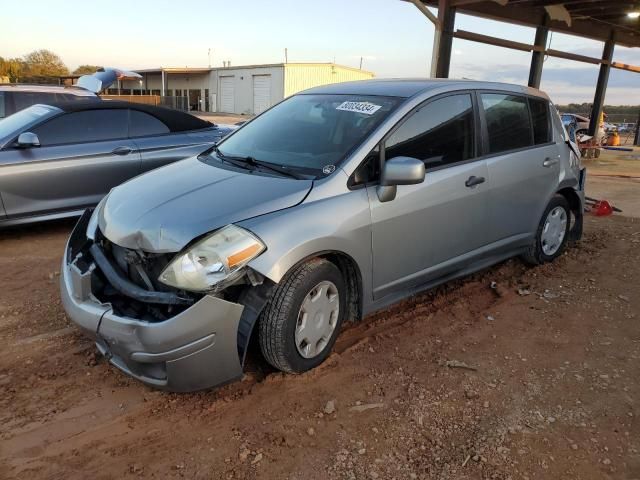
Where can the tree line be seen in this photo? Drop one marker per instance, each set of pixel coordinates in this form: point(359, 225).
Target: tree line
point(585, 109)
point(38, 65)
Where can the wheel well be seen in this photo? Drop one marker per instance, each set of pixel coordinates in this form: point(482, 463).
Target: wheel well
point(352, 276)
point(575, 233)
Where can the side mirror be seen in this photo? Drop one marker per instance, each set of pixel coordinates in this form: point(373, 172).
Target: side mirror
point(28, 140)
point(399, 171)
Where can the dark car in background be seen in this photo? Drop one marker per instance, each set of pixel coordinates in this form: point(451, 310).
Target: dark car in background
point(56, 160)
point(15, 96)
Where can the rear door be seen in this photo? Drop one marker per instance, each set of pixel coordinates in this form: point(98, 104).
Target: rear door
point(523, 163)
point(158, 146)
point(430, 229)
point(82, 156)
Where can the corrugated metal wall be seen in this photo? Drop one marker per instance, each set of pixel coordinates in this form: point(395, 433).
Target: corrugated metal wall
point(299, 77)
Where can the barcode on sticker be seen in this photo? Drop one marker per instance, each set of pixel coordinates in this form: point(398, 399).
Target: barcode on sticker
point(359, 107)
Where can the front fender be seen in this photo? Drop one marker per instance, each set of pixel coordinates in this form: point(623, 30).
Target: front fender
point(340, 223)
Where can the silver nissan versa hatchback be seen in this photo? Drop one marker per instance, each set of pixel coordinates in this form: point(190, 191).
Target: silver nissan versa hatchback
point(336, 202)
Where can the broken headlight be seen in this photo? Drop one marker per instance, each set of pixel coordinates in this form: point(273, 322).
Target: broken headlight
point(217, 258)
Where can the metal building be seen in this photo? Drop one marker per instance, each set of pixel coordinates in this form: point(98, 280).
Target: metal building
point(249, 89)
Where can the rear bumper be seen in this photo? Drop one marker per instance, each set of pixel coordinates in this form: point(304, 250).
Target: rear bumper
point(194, 350)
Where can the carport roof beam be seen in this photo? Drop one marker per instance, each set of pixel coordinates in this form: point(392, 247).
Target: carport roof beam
point(498, 42)
point(425, 11)
point(527, 47)
point(443, 40)
point(601, 86)
point(537, 56)
point(594, 19)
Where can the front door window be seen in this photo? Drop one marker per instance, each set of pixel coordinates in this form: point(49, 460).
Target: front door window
point(439, 133)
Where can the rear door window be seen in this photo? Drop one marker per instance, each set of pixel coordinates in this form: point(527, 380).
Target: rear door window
point(540, 118)
point(439, 133)
point(144, 125)
point(82, 127)
point(508, 122)
point(2, 107)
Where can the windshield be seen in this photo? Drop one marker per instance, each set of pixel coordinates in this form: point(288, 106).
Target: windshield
point(567, 119)
point(310, 132)
point(23, 119)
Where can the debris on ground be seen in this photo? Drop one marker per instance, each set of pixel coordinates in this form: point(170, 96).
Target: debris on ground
point(459, 364)
point(549, 392)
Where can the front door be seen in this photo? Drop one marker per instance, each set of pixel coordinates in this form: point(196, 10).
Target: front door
point(429, 229)
point(82, 156)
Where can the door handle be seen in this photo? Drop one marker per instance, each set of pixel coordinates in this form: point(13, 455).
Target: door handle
point(121, 151)
point(549, 162)
point(472, 181)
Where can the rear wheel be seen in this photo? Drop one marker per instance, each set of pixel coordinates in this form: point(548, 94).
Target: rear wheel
point(301, 322)
point(552, 234)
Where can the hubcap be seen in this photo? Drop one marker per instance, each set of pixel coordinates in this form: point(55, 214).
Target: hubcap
point(317, 319)
point(554, 230)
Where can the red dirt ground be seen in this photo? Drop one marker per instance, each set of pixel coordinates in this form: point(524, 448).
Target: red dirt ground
point(551, 390)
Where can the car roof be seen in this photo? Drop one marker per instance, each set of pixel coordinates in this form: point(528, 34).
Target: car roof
point(175, 120)
point(409, 87)
point(28, 87)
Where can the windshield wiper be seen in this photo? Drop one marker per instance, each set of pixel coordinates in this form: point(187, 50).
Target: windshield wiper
point(271, 166)
point(228, 158)
point(248, 160)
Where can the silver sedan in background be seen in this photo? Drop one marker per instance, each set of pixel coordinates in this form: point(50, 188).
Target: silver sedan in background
point(56, 160)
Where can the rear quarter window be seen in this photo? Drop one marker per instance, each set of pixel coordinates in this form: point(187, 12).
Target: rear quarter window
point(143, 125)
point(540, 118)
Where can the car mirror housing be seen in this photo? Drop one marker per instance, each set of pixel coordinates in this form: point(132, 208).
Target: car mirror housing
point(28, 140)
point(399, 171)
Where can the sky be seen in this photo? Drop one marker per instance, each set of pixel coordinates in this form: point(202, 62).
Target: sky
point(393, 38)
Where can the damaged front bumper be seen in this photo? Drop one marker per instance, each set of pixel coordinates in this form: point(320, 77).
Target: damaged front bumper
point(194, 350)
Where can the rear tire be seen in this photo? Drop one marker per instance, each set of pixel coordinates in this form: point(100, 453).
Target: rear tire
point(552, 233)
point(301, 322)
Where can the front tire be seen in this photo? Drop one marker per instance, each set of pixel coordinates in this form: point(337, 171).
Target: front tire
point(300, 324)
point(552, 233)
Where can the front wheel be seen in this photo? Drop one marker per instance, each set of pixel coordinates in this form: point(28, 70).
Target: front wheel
point(301, 322)
point(552, 233)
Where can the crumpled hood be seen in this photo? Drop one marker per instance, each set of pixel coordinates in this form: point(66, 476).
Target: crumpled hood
point(163, 210)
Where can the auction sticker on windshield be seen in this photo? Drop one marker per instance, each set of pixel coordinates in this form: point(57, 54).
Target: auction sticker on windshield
point(359, 107)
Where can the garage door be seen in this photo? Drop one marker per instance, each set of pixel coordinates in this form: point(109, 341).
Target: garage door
point(261, 93)
point(227, 95)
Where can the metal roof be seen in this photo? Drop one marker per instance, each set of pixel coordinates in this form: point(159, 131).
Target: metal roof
point(175, 70)
point(187, 70)
point(595, 19)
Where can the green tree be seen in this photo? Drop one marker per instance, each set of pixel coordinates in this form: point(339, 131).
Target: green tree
point(86, 69)
point(11, 68)
point(43, 63)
